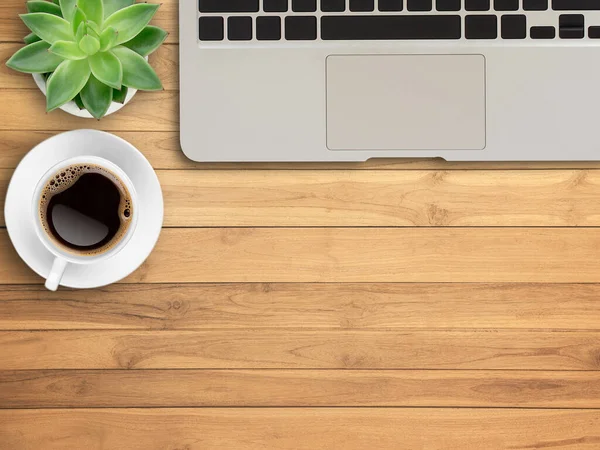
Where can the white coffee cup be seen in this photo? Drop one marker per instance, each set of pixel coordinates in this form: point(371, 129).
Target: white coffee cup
point(63, 257)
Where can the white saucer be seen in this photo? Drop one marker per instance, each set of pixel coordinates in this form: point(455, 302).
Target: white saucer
point(17, 211)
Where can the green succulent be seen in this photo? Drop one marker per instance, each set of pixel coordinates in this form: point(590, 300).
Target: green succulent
point(90, 50)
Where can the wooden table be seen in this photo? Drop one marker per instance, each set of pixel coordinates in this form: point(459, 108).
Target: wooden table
point(392, 305)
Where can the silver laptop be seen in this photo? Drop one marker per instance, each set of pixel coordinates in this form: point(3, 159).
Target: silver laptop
point(350, 80)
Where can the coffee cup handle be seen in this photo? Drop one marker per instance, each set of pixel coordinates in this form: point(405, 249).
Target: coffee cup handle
point(56, 273)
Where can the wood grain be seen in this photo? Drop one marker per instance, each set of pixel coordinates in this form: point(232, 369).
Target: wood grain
point(300, 429)
point(298, 388)
point(165, 61)
point(412, 334)
point(12, 28)
point(298, 306)
point(362, 198)
point(390, 198)
point(310, 349)
point(545, 255)
point(161, 148)
point(148, 111)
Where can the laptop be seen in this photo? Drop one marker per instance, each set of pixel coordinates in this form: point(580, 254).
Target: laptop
point(351, 80)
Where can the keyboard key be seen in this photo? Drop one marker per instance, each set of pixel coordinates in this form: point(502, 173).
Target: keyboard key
point(268, 28)
point(419, 5)
point(226, 6)
point(362, 5)
point(333, 5)
point(275, 5)
point(304, 5)
point(211, 28)
point(390, 5)
point(481, 27)
point(594, 32)
point(514, 26)
point(506, 5)
point(300, 28)
point(535, 5)
point(571, 33)
point(571, 26)
point(384, 27)
point(571, 20)
point(447, 5)
point(477, 5)
point(542, 32)
point(576, 5)
point(239, 28)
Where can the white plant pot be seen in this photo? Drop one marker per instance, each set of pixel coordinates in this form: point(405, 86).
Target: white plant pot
point(72, 107)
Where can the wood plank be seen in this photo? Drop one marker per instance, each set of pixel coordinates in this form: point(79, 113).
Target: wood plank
point(11, 265)
point(298, 388)
point(165, 61)
point(390, 198)
point(377, 255)
point(148, 111)
point(364, 198)
point(316, 349)
point(363, 306)
point(300, 429)
point(12, 28)
point(161, 148)
point(164, 152)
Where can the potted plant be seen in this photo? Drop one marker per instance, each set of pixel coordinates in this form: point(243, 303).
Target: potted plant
point(89, 53)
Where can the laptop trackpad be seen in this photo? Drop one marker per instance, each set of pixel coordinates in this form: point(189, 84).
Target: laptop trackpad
point(406, 102)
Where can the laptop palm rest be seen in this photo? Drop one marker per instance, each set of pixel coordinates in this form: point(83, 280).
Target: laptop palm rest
point(406, 102)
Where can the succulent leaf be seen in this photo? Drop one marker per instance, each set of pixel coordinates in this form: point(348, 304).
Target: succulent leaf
point(56, 2)
point(78, 19)
point(66, 82)
point(34, 58)
point(130, 21)
point(67, 50)
point(96, 97)
point(68, 9)
point(107, 68)
point(81, 30)
point(48, 27)
point(93, 29)
point(78, 101)
point(149, 39)
point(31, 38)
point(89, 45)
point(35, 6)
point(93, 10)
point(112, 6)
point(119, 96)
point(108, 39)
point(137, 73)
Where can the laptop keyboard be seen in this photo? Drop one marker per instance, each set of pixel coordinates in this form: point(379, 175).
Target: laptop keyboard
point(367, 20)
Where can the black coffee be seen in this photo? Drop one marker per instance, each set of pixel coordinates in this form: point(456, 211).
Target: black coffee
point(85, 209)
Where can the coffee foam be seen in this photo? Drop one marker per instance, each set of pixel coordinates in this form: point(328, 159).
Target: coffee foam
point(67, 177)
